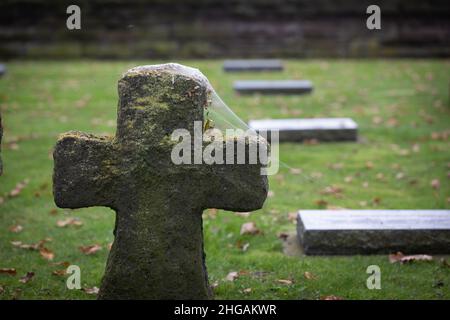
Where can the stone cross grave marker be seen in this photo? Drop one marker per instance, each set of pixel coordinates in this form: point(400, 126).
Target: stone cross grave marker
point(158, 247)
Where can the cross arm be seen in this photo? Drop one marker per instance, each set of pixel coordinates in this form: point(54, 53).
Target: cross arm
point(237, 187)
point(85, 171)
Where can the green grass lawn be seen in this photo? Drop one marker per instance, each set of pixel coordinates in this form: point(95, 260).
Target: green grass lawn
point(402, 108)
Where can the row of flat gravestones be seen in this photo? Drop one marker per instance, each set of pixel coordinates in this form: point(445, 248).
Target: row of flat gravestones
point(290, 130)
point(158, 247)
point(343, 231)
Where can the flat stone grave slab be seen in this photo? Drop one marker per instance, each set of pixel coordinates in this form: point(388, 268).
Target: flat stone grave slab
point(344, 232)
point(297, 130)
point(273, 86)
point(252, 65)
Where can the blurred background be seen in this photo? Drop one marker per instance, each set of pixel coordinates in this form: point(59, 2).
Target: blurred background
point(135, 29)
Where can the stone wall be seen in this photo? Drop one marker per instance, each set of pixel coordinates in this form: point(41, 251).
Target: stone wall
point(220, 28)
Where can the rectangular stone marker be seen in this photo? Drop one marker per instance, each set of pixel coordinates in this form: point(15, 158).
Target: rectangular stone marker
point(252, 65)
point(273, 86)
point(334, 232)
point(2, 69)
point(297, 130)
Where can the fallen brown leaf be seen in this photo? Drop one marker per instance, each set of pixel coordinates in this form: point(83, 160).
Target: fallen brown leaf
point(400, 257)
point(331, 297)
point(27, 278)
point(309, 276)
point(435, 184)
point(16, 229)
point(332, 190)
point(292, 216)
point(69, 222)
point(18, 188)
point(295, 171)
point(61, 272)
point(2, 289)
point(321, 203)
point(93, 290)
point(283, 236)
point(214, 285)
point(284, 281)
point(32, 246)
point(249, 228)
point(90, 249)
point(10, 271)
point(46, 253)
point(233, 275)
point(376, 201)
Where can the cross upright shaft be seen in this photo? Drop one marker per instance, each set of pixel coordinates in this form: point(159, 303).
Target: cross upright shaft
point(158, 247)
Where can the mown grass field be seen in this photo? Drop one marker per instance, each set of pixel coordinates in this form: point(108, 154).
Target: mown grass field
point(401, 162)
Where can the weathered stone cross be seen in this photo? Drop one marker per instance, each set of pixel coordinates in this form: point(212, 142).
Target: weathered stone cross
point(158, 248)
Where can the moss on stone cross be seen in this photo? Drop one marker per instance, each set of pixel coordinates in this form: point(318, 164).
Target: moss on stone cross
point(158, 248)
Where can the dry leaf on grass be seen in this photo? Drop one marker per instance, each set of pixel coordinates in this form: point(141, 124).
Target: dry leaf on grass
point(321, 203)
point(242, 214)
point(233, 275)
point(295, 171)
point(331, 297)
point(32, 246)
point(93, 290)
point(332, 190)
point(247, 290)
point(46, 253)
point(10, 271)
point(61, 272)
point(214, 285)
point(2, 289)
point(249, 228)
point(292, 216)
point(400, 257)
point(283, 236)
point(90, 249)
point(16, 229)
point(285, 281)
point(18, 188)
point(309, 275)
point(242, 246)
point(69, 222)
point(435, 184)
point(27, 278)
